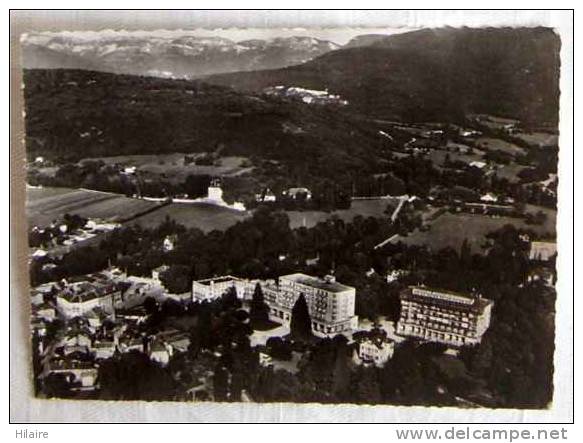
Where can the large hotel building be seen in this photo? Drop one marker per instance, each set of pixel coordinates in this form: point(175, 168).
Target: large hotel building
point(212, 288)
point(331, 304)
point(444, 317)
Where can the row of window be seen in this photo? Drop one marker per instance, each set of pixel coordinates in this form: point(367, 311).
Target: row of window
point(451, 337)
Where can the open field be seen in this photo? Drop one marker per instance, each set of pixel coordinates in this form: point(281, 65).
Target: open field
point(461, 148)
point(495, 144)
point(203, 216)
point(538, 139)
point(437, 156)
point(450, 230)
point(510, 172)
point(550, 224)
point(47, 204)
point(365, 208)
point(173, 167)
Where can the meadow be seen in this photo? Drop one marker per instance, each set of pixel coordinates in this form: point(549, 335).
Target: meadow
point(173, 166)
point(47, 204)
point(538, 139)
point(496, 144)
point(205, 217)
point(450, 230)
point(364, 208)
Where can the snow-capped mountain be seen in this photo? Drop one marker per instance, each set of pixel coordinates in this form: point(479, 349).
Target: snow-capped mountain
point(177, 56)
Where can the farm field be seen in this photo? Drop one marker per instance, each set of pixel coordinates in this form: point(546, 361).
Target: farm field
point(173, 166)
point(47, 204)
point(365, 208)
point(205, 217)
point(450, 230)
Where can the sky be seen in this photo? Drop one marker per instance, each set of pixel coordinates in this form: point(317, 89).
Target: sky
point(339, 36)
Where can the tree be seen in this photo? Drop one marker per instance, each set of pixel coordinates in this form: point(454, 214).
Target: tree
point(465, 254)
point(57, 385)
point(368, 389)
point(259, 309)
point(367, 303)
point(132, 376)
point(74, 221)
point(177, 279)
point(221, 383)
point(341, 374)
point(301, 323)
point(229, 299)
point(279, 349)
point(150, 305)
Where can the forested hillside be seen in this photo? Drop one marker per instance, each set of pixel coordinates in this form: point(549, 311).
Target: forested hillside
point(73, 114)
point(433, 74)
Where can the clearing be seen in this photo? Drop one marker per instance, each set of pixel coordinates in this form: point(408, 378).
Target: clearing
point(47, 204)
point(495, 144)
point(450, 230)
point(538, 139)
point(366, 208)
point(203, 216)
point(174, 168)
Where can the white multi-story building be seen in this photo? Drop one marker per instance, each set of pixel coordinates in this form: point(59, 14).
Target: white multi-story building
point(542, 250)
point(376, 350)
point(215, 192)
point(442, 316)
point(331, 304)
point(212, 288)
point(103, 349)
point(168, 244)
point(78, 299)
point(267, 196)
point(296, 193)
point(160, 352)
point(81, 372)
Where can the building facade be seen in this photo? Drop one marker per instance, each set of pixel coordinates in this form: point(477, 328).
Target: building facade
point(157, 272)
point(79, 299)
point(542, 250)
point(443, 317)
point(331, 304)
point(375, 351)
point(212, 288)
point(215, 192)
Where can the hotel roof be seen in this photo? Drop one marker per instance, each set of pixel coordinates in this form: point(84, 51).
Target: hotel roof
point(316, 282)
point(221, 279)
point(446, 298)
point(88, 290)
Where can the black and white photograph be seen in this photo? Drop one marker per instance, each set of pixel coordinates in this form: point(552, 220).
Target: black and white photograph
point(322, 215)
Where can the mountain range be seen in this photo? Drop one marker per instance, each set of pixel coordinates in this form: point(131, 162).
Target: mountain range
point(432, 74)
point(429, 74)
point(173, 56)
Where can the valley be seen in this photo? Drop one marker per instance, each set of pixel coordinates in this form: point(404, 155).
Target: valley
point(291, 220)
